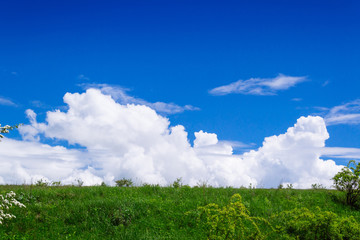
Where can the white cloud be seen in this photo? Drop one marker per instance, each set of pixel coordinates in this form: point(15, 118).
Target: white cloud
point(133, 141)
point(7, 102)
point(348, 113)
point(258, 86)
point(26, 162)
point(121, 96)
point(341, 152)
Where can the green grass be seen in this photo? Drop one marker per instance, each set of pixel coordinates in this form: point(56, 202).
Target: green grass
point(149, 212)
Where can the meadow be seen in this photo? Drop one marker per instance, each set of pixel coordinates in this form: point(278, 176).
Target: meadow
point(175, 212)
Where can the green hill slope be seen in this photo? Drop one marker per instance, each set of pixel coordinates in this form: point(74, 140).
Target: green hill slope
point(153, 212)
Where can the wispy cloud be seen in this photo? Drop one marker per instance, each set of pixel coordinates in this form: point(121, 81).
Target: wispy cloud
point(7, 102)
point(341, 152)
point(121, 95)
point(325, 83)
point(39, 104)
point(259, 86)
point(348, 113)
point(83, 77)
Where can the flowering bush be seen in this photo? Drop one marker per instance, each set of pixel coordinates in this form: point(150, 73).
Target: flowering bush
point(6, 203)
point(232, 221)
point(6, 129)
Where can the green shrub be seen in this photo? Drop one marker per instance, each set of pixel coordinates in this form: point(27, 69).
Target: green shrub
point(124, 182)
point(41, 183)
point(348, 180)
point(301, 223)
point(56, 184)
point(232, 221)
point(177, 183)
point(317, 186)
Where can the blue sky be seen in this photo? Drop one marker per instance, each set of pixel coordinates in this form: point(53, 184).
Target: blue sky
point(178, 51)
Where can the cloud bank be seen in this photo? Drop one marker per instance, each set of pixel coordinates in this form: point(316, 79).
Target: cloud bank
point(134, 141)
point(258, 86)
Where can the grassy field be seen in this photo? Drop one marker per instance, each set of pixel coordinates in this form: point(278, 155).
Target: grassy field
point(149, 212)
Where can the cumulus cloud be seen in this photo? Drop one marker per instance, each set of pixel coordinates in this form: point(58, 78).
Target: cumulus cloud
point(348, 113)
point(258, 86)
point(134, 141)
point(120, 95)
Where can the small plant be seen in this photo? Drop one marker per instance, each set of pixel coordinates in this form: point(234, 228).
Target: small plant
point(177, 183)
point(280, 186)
point(317, 186)
point(233, 221)
point(290, 186)
point(79, 182)
point(6, 202)
point(41, 183)
point(203, 184)
point(103, 184)
point(124, 182)
point(348, 180)
point(56, 184)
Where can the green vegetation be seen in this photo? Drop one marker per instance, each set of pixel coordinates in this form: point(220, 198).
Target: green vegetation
point(178, 212)
point(348, 180)
point(124, 182)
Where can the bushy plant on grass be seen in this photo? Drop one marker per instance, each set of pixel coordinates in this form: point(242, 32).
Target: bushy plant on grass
point(177, 183)
point(301, 223)
point(124, 182)
point(348, 181)
point(6, 203)
point(42, 183)
point(317, 186)
point(232, 221)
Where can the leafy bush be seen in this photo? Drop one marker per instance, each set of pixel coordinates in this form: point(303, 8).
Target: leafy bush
point(124, 182)
point(177, 183)
point(348, 180)
point(56, 184)
point(233, 221)
point(317, 186)
point(41, 183)
point(301, 223)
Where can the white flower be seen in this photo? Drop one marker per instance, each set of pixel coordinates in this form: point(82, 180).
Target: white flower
point(6, 203)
